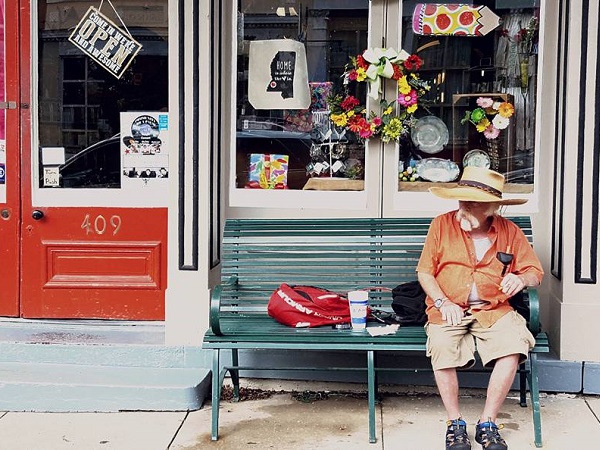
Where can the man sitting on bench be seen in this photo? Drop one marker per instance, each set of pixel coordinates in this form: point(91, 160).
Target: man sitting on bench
point(473, 261)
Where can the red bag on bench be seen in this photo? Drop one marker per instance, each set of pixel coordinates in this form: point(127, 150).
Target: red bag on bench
point(308, 306)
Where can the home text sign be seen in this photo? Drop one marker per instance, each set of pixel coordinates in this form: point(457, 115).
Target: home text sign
point(104, 42)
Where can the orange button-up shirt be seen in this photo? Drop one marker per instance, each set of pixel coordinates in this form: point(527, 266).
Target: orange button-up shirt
point(449, 255)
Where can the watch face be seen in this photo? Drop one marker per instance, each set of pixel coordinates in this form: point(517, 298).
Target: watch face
point(438, 303)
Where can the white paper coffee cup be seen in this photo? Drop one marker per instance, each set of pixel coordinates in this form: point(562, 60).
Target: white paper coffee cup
point(358, 301)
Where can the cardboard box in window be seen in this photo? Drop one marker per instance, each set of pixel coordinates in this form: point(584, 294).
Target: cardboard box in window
point(465, 137)
point(268, 171)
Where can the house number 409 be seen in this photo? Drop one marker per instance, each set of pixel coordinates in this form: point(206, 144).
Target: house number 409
point(99, 225)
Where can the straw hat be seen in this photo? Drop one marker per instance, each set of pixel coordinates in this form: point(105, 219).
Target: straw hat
point(478, 184)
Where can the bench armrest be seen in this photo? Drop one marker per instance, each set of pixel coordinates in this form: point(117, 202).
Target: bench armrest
point(534, 311)
point(215, 303)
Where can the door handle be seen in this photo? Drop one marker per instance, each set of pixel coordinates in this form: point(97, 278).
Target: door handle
point(37, 214)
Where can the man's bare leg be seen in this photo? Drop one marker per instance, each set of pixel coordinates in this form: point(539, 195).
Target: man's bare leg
point(499, 385)
point(447, 383)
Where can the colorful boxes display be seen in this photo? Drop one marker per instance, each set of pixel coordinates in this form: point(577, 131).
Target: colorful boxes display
point(268, 171)
point(301, 119)
point(319, 93)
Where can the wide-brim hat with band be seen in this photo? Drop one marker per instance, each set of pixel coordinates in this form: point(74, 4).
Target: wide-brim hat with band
point(478, 184)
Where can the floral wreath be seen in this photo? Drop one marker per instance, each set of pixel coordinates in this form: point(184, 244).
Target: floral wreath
point(395, 118)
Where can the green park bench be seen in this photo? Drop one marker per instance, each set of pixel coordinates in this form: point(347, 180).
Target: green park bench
point(340, 255)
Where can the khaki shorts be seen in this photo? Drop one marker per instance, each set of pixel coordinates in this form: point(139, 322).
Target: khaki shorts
point(453, 346)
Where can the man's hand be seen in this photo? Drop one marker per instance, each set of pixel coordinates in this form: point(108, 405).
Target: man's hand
point(451, 313)
point(511, 284)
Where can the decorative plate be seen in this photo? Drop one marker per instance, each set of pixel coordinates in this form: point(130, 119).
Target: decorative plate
point(430, 134)
point(477, 158)
point(438, 170)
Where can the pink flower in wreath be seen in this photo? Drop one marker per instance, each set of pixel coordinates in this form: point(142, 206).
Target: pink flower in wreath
point(485, 102)
point(365, 133)
point(491, 132)
point(376, 121)
point(409, 99)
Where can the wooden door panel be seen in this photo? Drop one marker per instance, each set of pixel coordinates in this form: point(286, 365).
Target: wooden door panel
point(95, 263)
point(118, 265)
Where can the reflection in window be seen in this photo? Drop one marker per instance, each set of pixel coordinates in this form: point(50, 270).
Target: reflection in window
point(298, 139)
point(80, 102)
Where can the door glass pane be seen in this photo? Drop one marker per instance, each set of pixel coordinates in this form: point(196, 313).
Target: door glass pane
point(476, 71)
point(279, 147)
point(80, 101)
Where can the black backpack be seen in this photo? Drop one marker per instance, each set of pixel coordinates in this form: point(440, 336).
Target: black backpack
point(408, 302)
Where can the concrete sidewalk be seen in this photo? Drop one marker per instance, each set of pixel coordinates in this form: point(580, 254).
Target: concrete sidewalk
point(303, 415)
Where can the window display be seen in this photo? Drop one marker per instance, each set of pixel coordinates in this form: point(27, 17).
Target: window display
point(270, 128)
point(452, 58)
point(488, 71)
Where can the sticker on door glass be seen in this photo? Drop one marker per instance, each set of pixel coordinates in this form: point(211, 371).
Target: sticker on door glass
point(144, 151)
point(51, 177)
point(52, 160)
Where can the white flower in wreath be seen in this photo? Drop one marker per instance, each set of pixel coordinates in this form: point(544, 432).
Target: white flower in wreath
point(500, 122)
point(381, 60)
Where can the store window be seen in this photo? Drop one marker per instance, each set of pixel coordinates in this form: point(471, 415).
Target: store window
point(81, 100)
point(284, 147)
point(476, 68)
point(481, 108)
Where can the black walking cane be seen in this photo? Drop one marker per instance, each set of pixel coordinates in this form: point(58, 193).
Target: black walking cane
point(505, 259)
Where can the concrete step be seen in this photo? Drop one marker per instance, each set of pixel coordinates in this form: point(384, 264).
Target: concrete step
point(126, 355)
point(80, 366)
point(44, 387)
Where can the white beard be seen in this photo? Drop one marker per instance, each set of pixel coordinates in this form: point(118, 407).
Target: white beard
point(467, 221)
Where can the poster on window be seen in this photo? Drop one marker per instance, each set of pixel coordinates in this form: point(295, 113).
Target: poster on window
point(442, 19)
point(2, 111)
point(278, 75)
point(103, 41)
point(144, 153)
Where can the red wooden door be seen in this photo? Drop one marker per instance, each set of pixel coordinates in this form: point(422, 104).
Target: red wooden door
point(94, 222)
point(92, 262)
point(9, 160)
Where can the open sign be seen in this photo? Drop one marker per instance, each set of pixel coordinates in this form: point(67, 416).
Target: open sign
point(104, 42)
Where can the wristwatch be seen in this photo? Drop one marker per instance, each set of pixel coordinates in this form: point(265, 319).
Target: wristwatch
point(439, 302)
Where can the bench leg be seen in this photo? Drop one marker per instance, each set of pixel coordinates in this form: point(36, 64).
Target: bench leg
point(535, 398)
point(371, 394)
point(376, 377)
point(523, 385)
point(216, 395)
point(235, 375)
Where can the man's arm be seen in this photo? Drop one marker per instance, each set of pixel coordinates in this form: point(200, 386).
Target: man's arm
point(527, 272)
point(451, 312)
point(513, 283)
point(430, 285)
